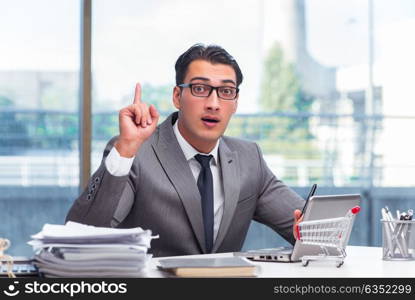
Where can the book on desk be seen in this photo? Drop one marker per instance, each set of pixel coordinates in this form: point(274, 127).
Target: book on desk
point(208, 267)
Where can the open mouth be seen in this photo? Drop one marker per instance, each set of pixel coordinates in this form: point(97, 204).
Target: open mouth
point(208, 120)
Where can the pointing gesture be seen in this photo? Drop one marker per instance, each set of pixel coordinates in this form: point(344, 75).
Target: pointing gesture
point(137, 123)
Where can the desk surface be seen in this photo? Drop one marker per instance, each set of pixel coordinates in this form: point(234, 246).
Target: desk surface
point(360, 262)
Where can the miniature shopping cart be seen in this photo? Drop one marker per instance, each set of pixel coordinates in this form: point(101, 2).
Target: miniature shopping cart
point(328, 234)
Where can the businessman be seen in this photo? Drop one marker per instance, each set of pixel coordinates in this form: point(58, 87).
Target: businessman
point(195, 188)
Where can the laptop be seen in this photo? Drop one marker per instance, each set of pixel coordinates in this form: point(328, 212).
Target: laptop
point(318, 207)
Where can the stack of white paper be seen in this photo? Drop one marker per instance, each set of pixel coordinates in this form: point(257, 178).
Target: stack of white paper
point(78, 250)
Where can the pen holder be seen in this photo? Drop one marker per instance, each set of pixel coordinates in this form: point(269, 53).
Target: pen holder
point(398, 238)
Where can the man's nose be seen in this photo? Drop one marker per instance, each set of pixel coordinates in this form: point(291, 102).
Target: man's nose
point(212, 102)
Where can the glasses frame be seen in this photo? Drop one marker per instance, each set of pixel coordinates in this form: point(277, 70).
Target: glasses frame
point(190, 85)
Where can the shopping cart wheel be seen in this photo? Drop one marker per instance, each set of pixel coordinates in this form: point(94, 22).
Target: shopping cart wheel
point(339, 264)
point(305, 263)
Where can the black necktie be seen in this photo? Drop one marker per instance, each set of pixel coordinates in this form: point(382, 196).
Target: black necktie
point(205, 185)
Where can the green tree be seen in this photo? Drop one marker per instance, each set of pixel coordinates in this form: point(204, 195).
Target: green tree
point(281, 91)
point(281, 86)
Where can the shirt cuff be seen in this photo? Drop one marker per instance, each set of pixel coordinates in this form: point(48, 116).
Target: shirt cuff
point(116, 164)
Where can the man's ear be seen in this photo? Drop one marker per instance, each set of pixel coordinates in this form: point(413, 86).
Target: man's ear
point(176, 96)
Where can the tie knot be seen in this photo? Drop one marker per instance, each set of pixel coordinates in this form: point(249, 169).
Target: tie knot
point(203, 160)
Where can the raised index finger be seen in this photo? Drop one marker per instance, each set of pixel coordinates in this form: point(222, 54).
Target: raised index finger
point(137, 95)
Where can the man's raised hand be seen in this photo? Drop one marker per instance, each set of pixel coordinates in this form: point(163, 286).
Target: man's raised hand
point(137, 123)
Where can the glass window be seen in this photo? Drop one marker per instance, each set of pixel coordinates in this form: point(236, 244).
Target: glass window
point(39, 74)
point(366, 45)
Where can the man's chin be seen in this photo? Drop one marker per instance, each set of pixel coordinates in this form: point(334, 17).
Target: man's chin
point(209, 138)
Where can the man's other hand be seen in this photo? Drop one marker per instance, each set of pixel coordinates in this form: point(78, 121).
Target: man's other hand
point(298, 217)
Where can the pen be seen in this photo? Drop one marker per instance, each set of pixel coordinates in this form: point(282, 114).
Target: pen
point(396, 231)
point(398, 239)
point(312, 191)
point(389, 213)
point(388, 232)
point(410, 214)
point(406, 231)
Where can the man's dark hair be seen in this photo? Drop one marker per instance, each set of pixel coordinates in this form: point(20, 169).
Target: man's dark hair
point(212, 53)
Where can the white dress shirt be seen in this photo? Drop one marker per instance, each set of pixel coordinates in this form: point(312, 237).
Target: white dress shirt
point(120, 166)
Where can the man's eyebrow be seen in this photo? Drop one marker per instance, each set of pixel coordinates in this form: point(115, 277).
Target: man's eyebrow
point(207, 79)
point(200, 78)
point(228, 81)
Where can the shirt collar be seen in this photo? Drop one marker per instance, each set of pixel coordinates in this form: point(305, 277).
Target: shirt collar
point(188, 150)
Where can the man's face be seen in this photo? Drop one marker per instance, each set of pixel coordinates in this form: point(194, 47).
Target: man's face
point(196, 113)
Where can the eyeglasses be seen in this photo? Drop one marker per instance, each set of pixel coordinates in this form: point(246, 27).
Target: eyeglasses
point(204, 90)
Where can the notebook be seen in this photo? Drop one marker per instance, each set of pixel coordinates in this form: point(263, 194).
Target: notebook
point(208, 267)
point(319, 207)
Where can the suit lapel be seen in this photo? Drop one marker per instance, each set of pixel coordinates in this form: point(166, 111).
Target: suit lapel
point(177, 169)
point(231, 185)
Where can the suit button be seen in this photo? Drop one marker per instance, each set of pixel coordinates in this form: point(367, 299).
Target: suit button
point(88, 197)
point(96, 179)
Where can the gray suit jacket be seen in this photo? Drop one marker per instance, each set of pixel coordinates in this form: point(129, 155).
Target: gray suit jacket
point(161, 194)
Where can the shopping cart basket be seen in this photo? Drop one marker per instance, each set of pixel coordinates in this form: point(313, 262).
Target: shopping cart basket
point(327, 233)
